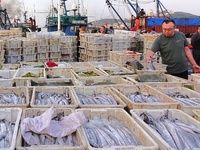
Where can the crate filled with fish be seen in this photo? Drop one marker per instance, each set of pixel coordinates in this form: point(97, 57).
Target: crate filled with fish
point(61, 135)
point(80, 64)
point(54, 82)
point(9, 121)
point(97, 97)
point(171, 129)
point(142, 96)
point(112, 129)
point(30, 73)
point(188, 99)
point(14, 97)
point(43, 97)
point(52, 64)
point(9, 66)
point(87, 72)
point(102, 64)
point(116, 71)
point(157, 79)
point(196, 114)
point(32, 65)
point(6, 78)
point(103, 81)
point(144, 67)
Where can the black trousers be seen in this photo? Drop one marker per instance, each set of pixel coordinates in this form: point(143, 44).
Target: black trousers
point(182, 74)
point(196, 55)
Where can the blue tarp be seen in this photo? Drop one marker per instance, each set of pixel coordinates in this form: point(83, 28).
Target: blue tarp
point(178, 21)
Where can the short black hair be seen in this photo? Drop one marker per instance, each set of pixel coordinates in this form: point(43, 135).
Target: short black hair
point(168, 21)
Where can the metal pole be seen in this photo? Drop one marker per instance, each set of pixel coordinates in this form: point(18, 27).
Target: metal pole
point(59, 15)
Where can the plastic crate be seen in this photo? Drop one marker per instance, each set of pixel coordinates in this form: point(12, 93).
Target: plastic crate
point(97, 53)
point(156, 114)
point(116, 71)
point(10, 66)
point(54, 48)
point(64, 39)
point(42, 49)
point(123, 90)
point(13, 51)
point(96, 39)
point(32, 112)
point(102, 64)
point(59, 73)
point(98, 58)
point(171, 80)
point(2, 52)
point(121, 58)
point(32, 65)
point(54, 41)
point(42, 55)
point(55, 55)
point(42, 42)
point(186, 91)
point(99, 46)
point(147, 142)
point(13, 43)
point(29, 50)
point(54, 90)
point(38, 72)
point(29, 43)
point(60, 65)
point(13, 59)
point(89, 91)
point(80, 72)
point(6, 79)
point(2, 44)
point(29, 57)
point(103, 81)
point(80, 64)
point(19, 91)
point(12, 115)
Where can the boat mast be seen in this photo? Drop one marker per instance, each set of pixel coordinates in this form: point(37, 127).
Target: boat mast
point(59, 15)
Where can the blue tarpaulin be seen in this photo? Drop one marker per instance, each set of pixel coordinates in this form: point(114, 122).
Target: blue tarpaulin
point(178, 21)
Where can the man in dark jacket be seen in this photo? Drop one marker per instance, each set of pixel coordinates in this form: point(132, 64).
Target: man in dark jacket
point(195, 42)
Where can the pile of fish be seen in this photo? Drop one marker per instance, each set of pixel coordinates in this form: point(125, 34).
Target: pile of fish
point(12, 98)
point(184, 99)
point(138, 97)
point(100, 99)
point(106, 133)
point(6, 133)
point(87, 73)
point(151, 78)
point(52, 98)
point(44, 139)
point(176, 133)
point(30, 74)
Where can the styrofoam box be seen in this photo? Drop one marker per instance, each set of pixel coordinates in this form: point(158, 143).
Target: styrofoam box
point(40, 72)
point(6, 77)
point(122, 90)
point(103, 81)
point(185, 91)
point(171, 80)
point(116, 71)
point(156, 114)
point(89, 91)
point(19, 91)
point(54, 90)
point(60, 65)
point(76, 72)
point(32, 112)
point(147, 142)
point(12, 115)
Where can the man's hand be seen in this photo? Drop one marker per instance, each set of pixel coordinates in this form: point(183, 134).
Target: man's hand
point(196, 68)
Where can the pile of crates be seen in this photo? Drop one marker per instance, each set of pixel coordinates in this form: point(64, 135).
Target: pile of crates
point(68, 48)
point(29, 50)
point(95, 47)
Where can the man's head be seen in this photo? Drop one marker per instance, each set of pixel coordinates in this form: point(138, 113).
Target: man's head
point(168, 27)
point(82, 28)
point(198, 29)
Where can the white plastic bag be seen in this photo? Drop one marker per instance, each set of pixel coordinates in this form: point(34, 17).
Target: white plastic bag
point(44, 125)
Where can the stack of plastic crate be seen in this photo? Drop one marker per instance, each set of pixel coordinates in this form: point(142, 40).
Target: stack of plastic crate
point(120, 43)
point(2, 51)
point(68, 48)
point(29, 50)
point(13, 50)
point(42, 50)
point(54, 49)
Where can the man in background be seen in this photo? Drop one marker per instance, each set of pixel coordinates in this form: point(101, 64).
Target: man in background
point(78, 32)
point(195, 42)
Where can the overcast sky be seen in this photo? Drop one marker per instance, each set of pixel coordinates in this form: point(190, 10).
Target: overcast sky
point(97, 9)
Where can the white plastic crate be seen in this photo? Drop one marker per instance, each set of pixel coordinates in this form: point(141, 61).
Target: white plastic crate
point(2, 52)
point(41, 56)
point(96, 52)
point(32, 65)
point(97, 39)
point(6, 78)
point(102, 64)
point(42, 42)
point(13, 59)
point(14, 43)
point(13, 51)
point(80, 64)
point(64, 39)
point(60, 65)
point(54, 41)
point(42, 49)
point(38, 73)
point(30, 57)
point(2, 44)
point(54, 48)
point(12, 115)
point(10, 66)
point(55, 55)
point(29, 50)
point(98, 58)
point(29, 43)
